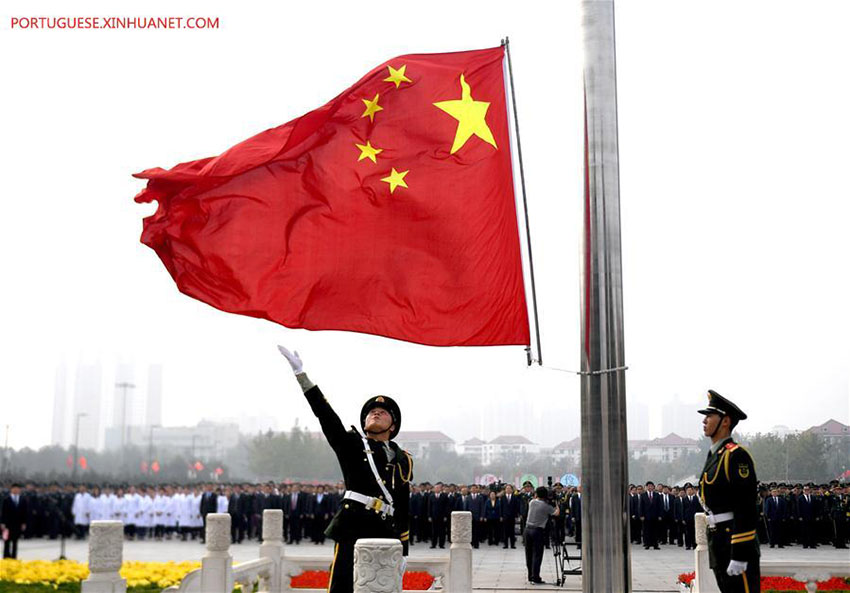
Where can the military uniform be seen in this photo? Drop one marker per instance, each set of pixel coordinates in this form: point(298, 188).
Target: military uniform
point(729, 494)
point(376, 517)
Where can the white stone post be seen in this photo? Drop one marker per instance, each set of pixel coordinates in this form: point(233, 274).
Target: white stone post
point(378, 566)
point(272, 547)
point(217, 563)
point(704, 580)
point(106, 551)
point(460, 553)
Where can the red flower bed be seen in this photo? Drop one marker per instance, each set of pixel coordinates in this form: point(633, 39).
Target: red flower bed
point(318, 579)
point(785, 583)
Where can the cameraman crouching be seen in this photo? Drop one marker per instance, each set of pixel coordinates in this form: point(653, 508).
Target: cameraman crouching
point(539, 512)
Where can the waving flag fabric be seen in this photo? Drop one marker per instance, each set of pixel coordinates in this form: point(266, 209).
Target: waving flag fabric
point(389, 211)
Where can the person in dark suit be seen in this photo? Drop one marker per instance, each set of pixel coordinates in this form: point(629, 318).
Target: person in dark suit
point(294, 507)
point(667, 532)
point(13, 516)
point(808, 514)
point(439, 510)
point(510, 511)
point(650, 516)
point(417, 509)
point(774, 513)
point(691, 508)
point(209, 504)
point(322, 505)
point(478, 509)
point(634, 513)
point(493, 514)
point(679, 514)
point(575, 514)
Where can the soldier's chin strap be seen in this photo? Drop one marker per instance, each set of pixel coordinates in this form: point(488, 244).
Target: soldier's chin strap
point(716, 428)
point(376, 433)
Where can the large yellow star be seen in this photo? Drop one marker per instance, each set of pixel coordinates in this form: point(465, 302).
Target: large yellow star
point(395, 179)
point(397, 76)
point(368, 151)
point(372, 107)
point(470, 117)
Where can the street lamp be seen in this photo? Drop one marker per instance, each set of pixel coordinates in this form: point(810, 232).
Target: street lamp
point(73, 474)
point(76, 447)
point(150, 446)
point(124, 385)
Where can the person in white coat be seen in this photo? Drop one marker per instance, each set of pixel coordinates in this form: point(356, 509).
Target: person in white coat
point(145, 520)
point(131, 512)
point(81, 512)
point(181, 516)
point(159, 503)
point(195, 517)
point(170, 512)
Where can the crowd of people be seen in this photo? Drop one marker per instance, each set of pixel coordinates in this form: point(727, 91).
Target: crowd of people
point(791, 514)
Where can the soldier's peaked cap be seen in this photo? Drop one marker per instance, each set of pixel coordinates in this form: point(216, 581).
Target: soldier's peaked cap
point(388, 404)
point(717, 404)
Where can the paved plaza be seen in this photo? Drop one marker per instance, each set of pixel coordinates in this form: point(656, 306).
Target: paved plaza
point(494, 568)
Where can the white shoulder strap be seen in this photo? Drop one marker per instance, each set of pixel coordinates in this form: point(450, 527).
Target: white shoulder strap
point(369, 453)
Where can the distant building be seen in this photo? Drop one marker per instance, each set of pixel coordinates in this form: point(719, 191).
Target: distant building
point(87, 400)
point(506, 445)
point(832, 431)
point(153, 405)
point(638, 420)
point(60, 433)
point(678, 417)
point(663, 449)
point(420, 444)
point(473, 448)
point(205, 441)
point(568, 451)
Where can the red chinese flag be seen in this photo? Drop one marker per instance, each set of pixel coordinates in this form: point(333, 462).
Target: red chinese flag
point(389, 211)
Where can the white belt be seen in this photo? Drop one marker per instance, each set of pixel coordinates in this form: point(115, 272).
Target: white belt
point(714, 519)
point(371, 502)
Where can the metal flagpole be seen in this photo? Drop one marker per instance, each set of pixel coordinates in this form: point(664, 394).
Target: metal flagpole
point(512, 107)
point(606, 565)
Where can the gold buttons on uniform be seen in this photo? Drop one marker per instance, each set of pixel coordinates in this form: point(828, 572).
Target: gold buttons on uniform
point(346, 505)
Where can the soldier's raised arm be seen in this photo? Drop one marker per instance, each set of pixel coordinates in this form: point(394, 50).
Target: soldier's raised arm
point(332, 426)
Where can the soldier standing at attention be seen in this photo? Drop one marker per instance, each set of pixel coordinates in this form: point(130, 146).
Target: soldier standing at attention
point(377, 473)
point(728, 492)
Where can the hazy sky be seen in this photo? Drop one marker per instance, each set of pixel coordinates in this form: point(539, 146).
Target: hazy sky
point(733, 125)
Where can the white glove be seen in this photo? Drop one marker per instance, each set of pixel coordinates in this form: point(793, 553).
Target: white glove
point(293, 359)
point(736, 567)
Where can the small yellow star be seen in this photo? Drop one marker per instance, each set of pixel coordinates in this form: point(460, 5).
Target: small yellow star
point(397, 76)
point(470, 116)
point(372, 107)
point(368, 151)
point(395, 179)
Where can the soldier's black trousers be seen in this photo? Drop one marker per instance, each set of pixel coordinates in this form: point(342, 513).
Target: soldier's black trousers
point(720, 555)
point(342, 569)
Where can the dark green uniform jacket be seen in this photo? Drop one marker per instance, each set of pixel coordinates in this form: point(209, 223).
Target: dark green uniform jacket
point(728, 484)
point(353, 520)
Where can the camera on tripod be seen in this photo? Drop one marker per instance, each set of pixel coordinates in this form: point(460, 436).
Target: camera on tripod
point(565, 563)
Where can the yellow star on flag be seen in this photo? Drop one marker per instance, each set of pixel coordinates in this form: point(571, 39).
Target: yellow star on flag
point(368, 151)
point(470, 117)
point(397, 76)
point(395, 179)
point(372, 107)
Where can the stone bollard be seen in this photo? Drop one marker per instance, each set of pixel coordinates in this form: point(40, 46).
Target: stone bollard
point(704, 581)
point(217, 563)
point(460, 553)
point(378, 566)
point(106, 551)
point(272, 547)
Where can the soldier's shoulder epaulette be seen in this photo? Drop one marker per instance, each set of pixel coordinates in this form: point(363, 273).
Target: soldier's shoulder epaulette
point(407, 472)
point(732, 446)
